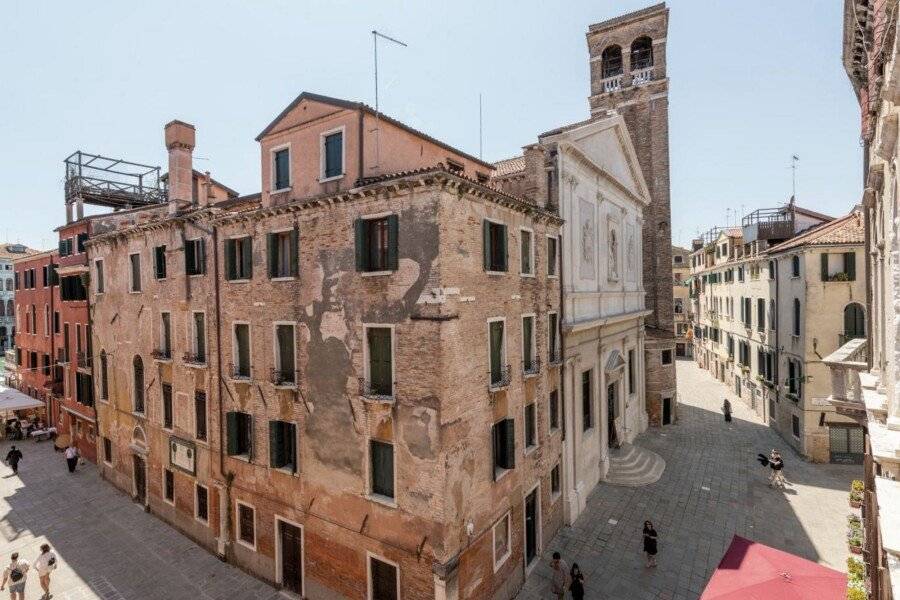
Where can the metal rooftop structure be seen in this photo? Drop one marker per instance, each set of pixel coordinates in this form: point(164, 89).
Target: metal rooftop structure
point(768, 224)
point(112, 182)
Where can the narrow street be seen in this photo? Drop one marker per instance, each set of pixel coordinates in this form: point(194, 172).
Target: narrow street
point(712, 488)
point(108, 547)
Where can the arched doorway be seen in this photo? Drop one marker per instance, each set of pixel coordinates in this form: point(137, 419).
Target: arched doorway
point(854, 322)
point(139, 465)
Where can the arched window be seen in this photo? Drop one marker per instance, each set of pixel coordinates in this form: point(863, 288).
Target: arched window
point(9, 285)
point(795, 266)
point(10, 311)
point(641, 53)
point(854, 321)
point(796, 316)
point(611, 61)
point(138, 367)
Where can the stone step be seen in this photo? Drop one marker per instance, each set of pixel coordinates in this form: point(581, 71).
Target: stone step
point(633, 466)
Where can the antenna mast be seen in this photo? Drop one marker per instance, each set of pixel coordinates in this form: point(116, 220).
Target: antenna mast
point(794, 159)
point(375, 36)
point(480, 130)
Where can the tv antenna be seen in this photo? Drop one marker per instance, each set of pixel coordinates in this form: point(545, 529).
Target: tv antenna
point(480, 130)
point(794, 160)
point(375, 36)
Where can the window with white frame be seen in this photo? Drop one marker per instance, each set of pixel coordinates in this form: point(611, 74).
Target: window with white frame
point(283, 445)
point(552, 256)
point(384, 580)
point(198, 338)
point(530, 364)
point(554, 409)
point(499, 370)
point(380, 361)
point(281, 169)
point(239, 259)
point(201, 503)
point(282, 253)
point(531, 438)
point(377, 243)
point(381, 468)
point(135, 262)
point(241, 351)
point(246, 525)
point(332, 154)
point(169, 485)
point(501, 538)
point(285, 368)
point(526, 252)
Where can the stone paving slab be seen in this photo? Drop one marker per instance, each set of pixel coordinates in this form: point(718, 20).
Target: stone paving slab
point(108, 547)
point(712, 489)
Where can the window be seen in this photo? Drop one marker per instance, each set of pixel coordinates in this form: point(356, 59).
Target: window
point(502, 548)
point(200, 415)
point(553, 341)
point(135, 260)
point(795, 426)
point(282, 253)
point(587, 403)
point(239, 259)
point(611, 62)
point(760, 314)
point(552, 256)
point(796, 316)
point(381, 456)
point(246, 525)
point(284, 355)
point(333, 155)
point(65, 247)
point(666, 355)
point(529, 364)
point(772, 269)
point(283, 445)
point(72, 288)
point(504, 446)
point(56, 321)
point(46, 318)
point(499, 372)
point(81, 238)
point(678, 260)
point(631, 367)
point(385, 580)
point(494, 235)
point(740, 274)
point(281, 167)
point(166, 405)
point(240, 434)
point(195, 257)
point(107, 450)
point(84, 387)
point(165, 335)
point(241, 351)
point(854, 322)
point(376, 244)
point(795, 379)
point(159, 262)
point(104, 376)
point(201, 503)
point(199, 339)
point(169, 485)
point(772, 314)
point(530, 426)
point(526, 252)
point(98, 266)
point(795, 266)
point(138, 391)
point(554, 409)
point(555, 486)
point(839, 267)
point(380, 361)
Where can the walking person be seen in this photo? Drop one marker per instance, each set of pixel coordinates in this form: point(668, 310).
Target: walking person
point(44, 565)
point(15, 573)
point(577, 585)
point(559, 581)
point(12, 459)
point(72, 457)
point(777, 464)
point(726, 410)
point(650, 538)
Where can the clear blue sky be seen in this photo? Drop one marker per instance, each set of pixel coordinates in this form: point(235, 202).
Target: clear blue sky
point(751, 84)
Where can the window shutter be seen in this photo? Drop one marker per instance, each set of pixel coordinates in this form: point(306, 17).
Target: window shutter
point(272, 253)
point(275, 444)
point(231, 420)
point(824, 257)
point(503, 248)
point(486, 243)
point(393, 238)
point(247, 259)
point(189, 257)
point(510, 444)
point(250, 449)
point(201, 255)
point(495, 450)
point(799, 380)
point(359, 227)
point(295, 252)
point(230, 271)
point(850, 265)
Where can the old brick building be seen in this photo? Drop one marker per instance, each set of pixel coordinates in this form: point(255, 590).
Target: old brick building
point(346, 384)
point(628, 75)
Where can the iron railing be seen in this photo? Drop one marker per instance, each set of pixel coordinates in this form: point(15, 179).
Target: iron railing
point(194, 358)
point(161, 354)
point(499, 377)
point(280, 377)
point(375, 390)
point(236, 372)
point(531, 366)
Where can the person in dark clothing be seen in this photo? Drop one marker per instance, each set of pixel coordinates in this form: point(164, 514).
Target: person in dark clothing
point(13, 457)
point(726, 409)
point(650, 538)
point(777, 464)
point(577, 585)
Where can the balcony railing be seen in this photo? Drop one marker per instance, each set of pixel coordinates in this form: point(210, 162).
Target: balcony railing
point(499, 378)
point(641, 76)
point(83, 360)
point(283, 378)
point(555, 357)
point(532, 366)
point(161, 354)
point(612, 84)
point(238, 373)
point(193, 358)
point(376, 391)
point(846, 363)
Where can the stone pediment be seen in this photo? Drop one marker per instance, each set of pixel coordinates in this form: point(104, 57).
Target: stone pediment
point(615, 362)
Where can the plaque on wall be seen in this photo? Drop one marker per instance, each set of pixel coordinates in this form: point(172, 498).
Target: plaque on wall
point(183, 455)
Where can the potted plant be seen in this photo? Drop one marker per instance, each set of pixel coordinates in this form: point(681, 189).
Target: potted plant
point(855, 593)
point(856, 493)
point(855, 544)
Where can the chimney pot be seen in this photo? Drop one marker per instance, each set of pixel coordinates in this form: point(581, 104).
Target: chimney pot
point(180, 140)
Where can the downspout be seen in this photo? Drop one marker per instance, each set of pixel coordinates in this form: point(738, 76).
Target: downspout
point(777, 319)
point(90, 312)
point(51, 422)
point(224, 522)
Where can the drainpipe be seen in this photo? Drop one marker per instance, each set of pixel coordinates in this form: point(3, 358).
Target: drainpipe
point(224, 522)
point(90, 313)
point(53, 346)
point(777, 319)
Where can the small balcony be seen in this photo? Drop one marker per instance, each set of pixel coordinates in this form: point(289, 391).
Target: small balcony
point(282, 378)
point(555, 357)
point(376, 391)
point(194, 359)
point(531, 366)
point(641, 76)
point(499, 378)
point(161, 355)
point(612, 83)
point(83, 360)
point(846, 363)
point(238, 373)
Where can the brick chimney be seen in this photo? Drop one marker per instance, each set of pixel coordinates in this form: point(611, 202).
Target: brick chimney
point(180, 138)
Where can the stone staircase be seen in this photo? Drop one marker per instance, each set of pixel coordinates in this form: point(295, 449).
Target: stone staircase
point(634, 466)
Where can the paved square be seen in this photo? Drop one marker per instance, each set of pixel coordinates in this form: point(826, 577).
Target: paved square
point(712, 488)
point(108, 547)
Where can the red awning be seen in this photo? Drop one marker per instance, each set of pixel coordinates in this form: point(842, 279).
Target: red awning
point(753, 571)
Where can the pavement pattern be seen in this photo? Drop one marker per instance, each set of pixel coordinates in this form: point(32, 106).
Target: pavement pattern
point(108, 547)
point(712, 489)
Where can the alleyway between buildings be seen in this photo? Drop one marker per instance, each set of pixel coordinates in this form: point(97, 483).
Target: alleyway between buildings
point(712, 488)
point(108, 547)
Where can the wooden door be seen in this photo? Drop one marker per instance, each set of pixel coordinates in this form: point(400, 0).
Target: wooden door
point(291, 557)
point(140, 480)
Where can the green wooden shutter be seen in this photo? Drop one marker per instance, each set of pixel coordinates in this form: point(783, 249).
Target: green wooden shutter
point(272, 254)
point(824, 258)
point(247, 259)
point(231, 420)
point(201, 253)
point(510, 449)
point(230, 271)
point(504, 255)
point(189, 258)
point(495, 450)
point(275, 444)
point(359, 227)
point(380, 361)
point(496, 342)
point(850, 265)
point(486, 243)
point(295, 252)
point(393, 222)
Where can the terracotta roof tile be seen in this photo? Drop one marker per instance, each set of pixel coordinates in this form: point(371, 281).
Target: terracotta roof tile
point(849, 229)
point(508, 166)
point(10, 251)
